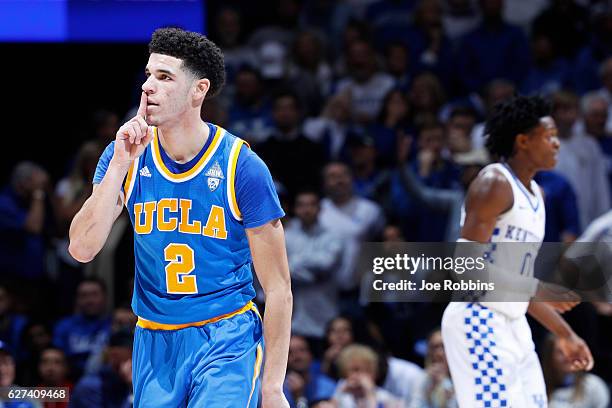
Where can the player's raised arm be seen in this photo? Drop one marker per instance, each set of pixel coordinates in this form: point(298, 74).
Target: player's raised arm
point(270, 260)
point(92, 224)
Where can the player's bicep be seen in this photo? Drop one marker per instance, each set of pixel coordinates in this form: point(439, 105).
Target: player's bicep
point(267, 244)
point(489, 196)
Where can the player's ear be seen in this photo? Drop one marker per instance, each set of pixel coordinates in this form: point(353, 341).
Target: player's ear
point(521, 141)
point(201, 88)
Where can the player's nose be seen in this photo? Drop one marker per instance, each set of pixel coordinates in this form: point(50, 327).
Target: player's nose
point(147, 86)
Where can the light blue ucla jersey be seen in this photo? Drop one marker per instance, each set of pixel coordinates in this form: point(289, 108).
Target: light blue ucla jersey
point(193, 260)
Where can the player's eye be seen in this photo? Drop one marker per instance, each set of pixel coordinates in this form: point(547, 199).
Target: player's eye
point(165, 77)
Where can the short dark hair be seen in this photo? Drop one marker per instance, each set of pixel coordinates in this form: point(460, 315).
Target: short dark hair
point(200, 55)
point(518, 115)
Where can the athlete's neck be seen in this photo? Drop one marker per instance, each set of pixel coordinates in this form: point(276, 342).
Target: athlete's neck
point(525, 173)
point(184, 140)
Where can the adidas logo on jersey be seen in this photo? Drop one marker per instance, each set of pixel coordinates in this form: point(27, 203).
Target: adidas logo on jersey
point(145, 172)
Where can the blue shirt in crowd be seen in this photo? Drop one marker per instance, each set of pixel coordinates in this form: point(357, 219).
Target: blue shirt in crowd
point(561, 207)
point(79, 336)
point(21, 253)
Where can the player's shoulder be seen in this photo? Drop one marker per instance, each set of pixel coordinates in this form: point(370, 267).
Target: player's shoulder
point(491, 180)
point(490, 188)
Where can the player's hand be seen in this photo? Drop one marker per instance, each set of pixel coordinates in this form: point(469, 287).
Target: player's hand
point(134, 136)
point(576, 351)
point(559, 298)
point(274, 399)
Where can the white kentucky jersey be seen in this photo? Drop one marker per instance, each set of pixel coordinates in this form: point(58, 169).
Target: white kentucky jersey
point(522, 224)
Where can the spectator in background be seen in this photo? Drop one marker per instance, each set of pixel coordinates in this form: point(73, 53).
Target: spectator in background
point(459, 18)
point(354, 219)
point(605, 74)
point(7, 379)
point(593, 54)
point(398, 63)
point(459, 128)
point(53, 371)
point(595, 114)
point(303, 385)
point(228, 35)
point(71, 193)
point(35, 338)
point(294, 160)
point(548, 73)
point(574, 20)
point(11, 324)
point(426, 97)
point(105, 126)
point(358, 366)
point(123, 319)
point(112, 386)
point(369, 179)
point(355, 31)
point(393, 120)
point(313, 252)
point(421, 222)
point(366, 84)
point(331, 128)
point(86, 332)
point(562, 216)
point(497, 91)
point(250, 114)
point(429, 46)
point(327, 17)
point(564, 386)
point(309, 72)
point(435, 390)
point(24, 216)
point(410, 189)
point(495, 49)
point(339, 334)
point(580, 159)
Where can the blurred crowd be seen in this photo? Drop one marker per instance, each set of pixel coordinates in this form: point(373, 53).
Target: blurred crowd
point(370, 115)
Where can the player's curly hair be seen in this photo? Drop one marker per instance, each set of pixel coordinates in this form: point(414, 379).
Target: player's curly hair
point(200, 55)
point(511, 118)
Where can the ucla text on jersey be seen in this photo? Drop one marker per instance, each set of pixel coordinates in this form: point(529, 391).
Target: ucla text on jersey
point(192, 256)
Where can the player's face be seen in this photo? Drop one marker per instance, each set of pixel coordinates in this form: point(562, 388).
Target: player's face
point(168, 88)
point(543, 144)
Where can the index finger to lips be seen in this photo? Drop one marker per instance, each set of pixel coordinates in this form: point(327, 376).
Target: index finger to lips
point(142, 108)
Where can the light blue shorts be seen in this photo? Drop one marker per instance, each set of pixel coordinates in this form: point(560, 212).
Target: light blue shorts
point(213, 365)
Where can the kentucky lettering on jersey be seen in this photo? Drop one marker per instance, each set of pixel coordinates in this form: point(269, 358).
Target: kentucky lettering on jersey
point(192, 256)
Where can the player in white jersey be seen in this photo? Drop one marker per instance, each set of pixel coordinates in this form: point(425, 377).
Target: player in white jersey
point(488, 345)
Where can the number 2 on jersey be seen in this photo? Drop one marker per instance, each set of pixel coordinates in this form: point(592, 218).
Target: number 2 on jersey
point(182, 263)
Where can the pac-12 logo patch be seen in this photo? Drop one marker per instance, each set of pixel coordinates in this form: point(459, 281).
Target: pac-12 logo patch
point(215, 175)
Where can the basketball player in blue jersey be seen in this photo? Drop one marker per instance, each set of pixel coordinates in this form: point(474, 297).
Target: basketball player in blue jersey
point(204, 209)
point(488, 344)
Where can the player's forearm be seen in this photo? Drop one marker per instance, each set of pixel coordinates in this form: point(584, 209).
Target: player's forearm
point(92, 224)
point(549, 318)
point(277, 329)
